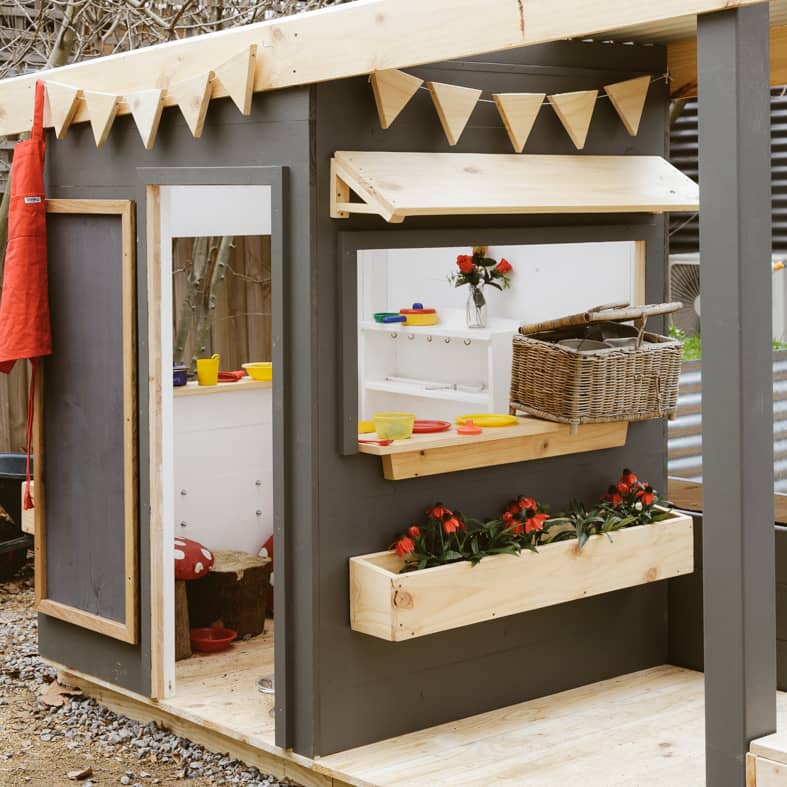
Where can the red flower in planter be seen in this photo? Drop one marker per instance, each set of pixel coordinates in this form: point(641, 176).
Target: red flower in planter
point(479, 251)
point(452, 525)
point(534, 521)
point(526, 502)
point(623, 489)
point(465, 263)
point(504, 266)
point(613, 496)
point(628, 478)
point(507, 516)
point(404, 546)
point(646, 495)
point(414, 531)
point(439, 511)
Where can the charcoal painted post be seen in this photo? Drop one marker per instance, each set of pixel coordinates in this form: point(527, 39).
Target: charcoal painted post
point(737, 429)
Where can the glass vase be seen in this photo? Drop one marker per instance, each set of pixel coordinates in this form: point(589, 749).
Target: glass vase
point(476, 308)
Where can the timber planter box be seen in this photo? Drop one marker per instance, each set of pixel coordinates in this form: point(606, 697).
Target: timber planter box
point(396, 607)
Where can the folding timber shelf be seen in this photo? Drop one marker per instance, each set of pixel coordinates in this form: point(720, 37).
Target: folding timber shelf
point(531, 438)
point(397, 185)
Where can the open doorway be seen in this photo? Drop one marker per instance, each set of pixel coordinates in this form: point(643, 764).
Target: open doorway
point(217, 249)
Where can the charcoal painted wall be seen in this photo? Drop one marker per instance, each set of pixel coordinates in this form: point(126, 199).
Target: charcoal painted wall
point(369, 689)
point(685, 609)
point(276, 133)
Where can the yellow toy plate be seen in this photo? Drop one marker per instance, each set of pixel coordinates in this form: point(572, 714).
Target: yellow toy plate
point(488, 419)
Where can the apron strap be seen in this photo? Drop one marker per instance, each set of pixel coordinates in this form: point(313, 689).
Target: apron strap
point(37, 131)
point(28, 501)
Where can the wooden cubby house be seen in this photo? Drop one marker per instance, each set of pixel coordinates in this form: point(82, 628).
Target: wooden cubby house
point(273, 130)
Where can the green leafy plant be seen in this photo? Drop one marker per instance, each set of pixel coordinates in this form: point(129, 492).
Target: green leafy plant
point(692, 345)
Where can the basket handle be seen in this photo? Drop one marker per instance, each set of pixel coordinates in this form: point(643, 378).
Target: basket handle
point(610, 313)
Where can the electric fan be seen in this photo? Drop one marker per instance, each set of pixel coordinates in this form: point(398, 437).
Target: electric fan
point(684, 286)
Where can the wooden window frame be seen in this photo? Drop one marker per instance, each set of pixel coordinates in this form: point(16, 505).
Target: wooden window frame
point(128, 629)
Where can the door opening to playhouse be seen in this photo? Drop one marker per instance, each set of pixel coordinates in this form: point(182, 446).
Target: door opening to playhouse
point(217, 248)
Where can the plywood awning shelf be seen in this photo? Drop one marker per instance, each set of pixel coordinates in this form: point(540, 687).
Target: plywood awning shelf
point(397, 185)
point(448, 452)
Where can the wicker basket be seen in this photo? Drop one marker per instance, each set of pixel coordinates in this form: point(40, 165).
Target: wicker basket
point(623, 383)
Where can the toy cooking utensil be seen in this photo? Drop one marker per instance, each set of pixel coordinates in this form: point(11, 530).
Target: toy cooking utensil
point(374, 442)
point(488, 419)
point(418, 315)
point(426, 426)
point(389, 317)
point(468, 427)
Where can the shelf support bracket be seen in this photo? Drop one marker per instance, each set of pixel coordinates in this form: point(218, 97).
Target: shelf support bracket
point(343, 184)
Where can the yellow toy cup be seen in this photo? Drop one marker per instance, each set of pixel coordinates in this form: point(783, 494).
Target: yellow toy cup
point(208, 370)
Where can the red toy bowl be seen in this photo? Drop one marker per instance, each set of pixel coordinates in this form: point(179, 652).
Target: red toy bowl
point(212, 640)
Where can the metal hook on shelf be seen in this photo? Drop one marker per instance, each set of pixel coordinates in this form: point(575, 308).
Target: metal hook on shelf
point(429, 338)
point(447, 340)
point(468, 342)
point(411, 336)
point(394, 335)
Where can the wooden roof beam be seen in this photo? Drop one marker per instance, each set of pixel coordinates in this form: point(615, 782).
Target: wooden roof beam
point(682, 60)
point(301, 49)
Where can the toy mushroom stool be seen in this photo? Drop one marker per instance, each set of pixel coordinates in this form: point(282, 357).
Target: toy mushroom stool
point(192, 561)
point(266, 550)
point(234, 594)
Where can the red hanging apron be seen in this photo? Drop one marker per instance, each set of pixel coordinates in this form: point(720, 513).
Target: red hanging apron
point(24, 306)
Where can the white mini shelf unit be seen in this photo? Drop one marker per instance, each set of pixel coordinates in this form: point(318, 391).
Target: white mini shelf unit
point(437, 371)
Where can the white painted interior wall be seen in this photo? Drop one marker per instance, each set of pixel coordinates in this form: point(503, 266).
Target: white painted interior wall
point(224, 468)
point(598, 272)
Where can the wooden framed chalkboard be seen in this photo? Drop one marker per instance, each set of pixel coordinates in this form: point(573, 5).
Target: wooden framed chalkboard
point(86, 561)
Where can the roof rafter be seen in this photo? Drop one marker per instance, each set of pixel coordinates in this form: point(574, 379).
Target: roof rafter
point(302, 49)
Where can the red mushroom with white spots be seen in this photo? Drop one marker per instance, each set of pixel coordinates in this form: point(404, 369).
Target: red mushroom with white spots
point(192, 560)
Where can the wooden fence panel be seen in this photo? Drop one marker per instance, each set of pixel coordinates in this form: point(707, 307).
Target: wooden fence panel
point(241, 322)
point(13, 408)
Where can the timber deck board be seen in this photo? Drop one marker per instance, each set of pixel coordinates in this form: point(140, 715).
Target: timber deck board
point(644, 728)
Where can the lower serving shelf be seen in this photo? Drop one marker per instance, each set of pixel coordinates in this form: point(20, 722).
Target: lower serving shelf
point(396, 607)
point(531, 438)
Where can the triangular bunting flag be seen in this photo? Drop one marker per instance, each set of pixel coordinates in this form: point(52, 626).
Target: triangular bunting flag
point(61, 106)
point(236, 76)
point(193, 96)
point(628, 98)
point(392, 91)
point(519, 111)
point(146, 107)
point(575, 111)
point(454, 106)
point(101, 111)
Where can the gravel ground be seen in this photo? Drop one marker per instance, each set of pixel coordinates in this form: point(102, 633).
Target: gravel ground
point(43, 745)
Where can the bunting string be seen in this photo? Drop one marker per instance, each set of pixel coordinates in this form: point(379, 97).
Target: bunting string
point(393, 90)
point(662, 78)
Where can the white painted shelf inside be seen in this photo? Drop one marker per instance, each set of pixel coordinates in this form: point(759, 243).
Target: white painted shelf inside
point(435, 371)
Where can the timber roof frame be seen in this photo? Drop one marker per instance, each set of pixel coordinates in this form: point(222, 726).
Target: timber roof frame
point(301, 49)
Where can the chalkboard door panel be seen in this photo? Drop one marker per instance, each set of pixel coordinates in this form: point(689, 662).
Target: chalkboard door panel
point(85, 434)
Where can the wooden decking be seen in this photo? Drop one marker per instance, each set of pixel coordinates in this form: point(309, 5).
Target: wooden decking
point(646, 728)
point(220, 691)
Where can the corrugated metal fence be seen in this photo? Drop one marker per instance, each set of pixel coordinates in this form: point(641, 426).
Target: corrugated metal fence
point(685, 432)
point(684, 228)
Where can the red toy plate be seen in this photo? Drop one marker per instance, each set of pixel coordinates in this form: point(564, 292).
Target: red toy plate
point(211, 640)
point(427, 427)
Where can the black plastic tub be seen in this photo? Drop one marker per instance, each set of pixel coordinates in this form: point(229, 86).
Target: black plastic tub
point(13, 542)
